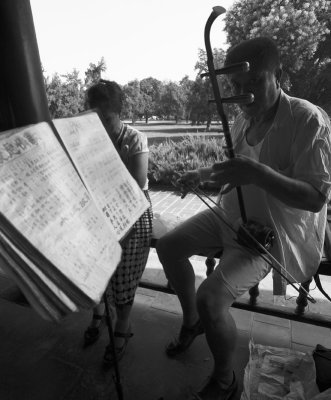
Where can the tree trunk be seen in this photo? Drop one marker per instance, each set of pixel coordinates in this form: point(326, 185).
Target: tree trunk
point(208, 123)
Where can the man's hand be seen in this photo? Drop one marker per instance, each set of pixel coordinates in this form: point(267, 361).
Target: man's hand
point(188, 180)
point(237, 171)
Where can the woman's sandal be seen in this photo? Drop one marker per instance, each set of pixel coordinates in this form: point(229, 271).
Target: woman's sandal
point(108, 358)
point(92, 333)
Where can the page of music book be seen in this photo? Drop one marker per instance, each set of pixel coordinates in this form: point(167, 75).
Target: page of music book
point(43, 197)
point(31, 289)
point(111, 185)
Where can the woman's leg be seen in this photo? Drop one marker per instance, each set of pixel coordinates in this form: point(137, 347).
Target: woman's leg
point(98, 311)
point(122, 324)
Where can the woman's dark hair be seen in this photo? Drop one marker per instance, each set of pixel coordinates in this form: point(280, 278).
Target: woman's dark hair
point(106, 93)
point(260, 52)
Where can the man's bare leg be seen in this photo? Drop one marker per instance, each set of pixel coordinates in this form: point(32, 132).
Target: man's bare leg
point(181, 276)
point(214, 301)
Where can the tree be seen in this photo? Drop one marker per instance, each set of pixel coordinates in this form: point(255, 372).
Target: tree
point(74, 98)
point(201, 65)
point(172, 100)
point(133, 104)
point(186, 85)
point(204, 90)
point(300, 28)
point(198, 101)
point(150, 90)
point(93, 72)
point(64, 94)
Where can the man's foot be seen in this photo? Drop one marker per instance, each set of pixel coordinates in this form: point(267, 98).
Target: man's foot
point(185, 339)
point(215, 390)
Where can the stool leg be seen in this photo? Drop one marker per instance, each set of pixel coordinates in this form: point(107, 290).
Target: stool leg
point(302, 301)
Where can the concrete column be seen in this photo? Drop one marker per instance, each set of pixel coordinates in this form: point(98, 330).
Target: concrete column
point(22, 88)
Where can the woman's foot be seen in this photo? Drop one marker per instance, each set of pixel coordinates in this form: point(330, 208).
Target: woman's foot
point(92, 333)
point(121, 341)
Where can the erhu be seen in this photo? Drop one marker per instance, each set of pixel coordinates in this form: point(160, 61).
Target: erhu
point(254, 236)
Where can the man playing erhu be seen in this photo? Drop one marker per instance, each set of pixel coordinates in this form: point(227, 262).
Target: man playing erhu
point(282, 146)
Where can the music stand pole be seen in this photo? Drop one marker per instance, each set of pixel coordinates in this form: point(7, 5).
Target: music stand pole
point(117, 377)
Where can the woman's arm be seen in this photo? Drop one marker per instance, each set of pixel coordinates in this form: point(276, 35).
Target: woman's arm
point(138, 166)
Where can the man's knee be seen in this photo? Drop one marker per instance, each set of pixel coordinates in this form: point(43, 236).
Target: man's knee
point(213, 299)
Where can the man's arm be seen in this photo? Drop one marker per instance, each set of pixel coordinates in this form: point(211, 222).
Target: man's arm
point(292, 192)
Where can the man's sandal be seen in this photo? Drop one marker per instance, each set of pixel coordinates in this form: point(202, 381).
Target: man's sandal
point(92, 333)
point(185, 339)
point(108, 358)
point(215, 390)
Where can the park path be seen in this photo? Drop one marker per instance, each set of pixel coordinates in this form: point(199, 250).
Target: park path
point(168, 202)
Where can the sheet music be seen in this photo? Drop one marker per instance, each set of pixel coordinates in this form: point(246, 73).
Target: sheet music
point(27, 282)
point(43, 197)
point(111, 185)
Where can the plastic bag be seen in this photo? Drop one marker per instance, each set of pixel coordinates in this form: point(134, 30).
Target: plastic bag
point(280, 374)
point(322, 358)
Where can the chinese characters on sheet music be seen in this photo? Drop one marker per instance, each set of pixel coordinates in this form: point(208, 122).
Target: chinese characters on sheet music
point(43, 197)
point(109, 182)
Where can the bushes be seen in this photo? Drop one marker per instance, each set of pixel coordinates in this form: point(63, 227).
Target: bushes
point(170, 158)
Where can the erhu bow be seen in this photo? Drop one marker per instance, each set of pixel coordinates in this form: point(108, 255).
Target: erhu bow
point(251, 234)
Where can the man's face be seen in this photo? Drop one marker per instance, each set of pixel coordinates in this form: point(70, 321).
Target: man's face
point(263, 85)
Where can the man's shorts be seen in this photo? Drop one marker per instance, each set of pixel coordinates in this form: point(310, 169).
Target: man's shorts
point(239, 269)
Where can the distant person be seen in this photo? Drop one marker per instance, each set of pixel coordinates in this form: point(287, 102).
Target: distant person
point(283, 149)
point(131, 144)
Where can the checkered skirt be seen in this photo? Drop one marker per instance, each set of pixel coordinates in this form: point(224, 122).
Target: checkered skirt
point(123, 284)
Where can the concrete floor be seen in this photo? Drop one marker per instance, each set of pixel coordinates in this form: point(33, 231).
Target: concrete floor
point(46, 361)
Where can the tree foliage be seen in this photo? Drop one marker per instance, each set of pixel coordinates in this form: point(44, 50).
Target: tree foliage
point(133, 106)
point(172, 100)
point(66, 93)
point(202, 90)
point(293, 24)
point(150, 89)
point(301, 29)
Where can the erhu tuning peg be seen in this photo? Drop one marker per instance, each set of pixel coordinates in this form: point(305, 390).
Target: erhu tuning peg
point(246, 98)
point(230, 69)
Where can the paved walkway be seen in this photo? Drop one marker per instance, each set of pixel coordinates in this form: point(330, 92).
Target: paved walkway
point(170, 203)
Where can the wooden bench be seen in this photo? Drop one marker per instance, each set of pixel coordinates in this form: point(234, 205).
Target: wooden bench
point(299, 313)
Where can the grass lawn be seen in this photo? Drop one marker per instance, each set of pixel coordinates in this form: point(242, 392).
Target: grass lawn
point(158, 131)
